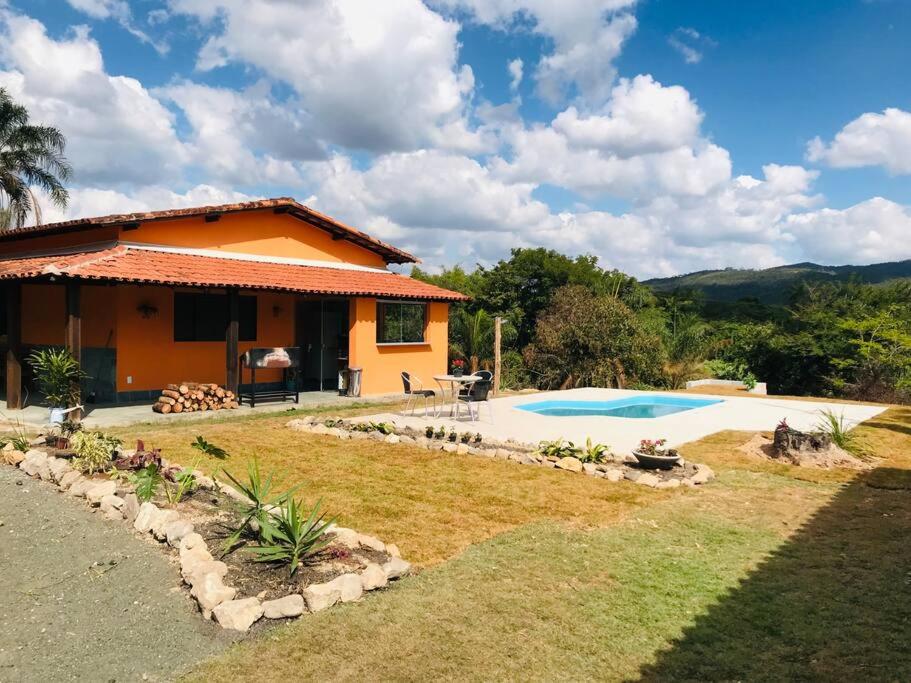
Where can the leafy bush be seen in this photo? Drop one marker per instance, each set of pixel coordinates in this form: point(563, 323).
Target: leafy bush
point(558, 449)
point(287, 537)
point(147, 480)
point(428, 431)
point(94, 451)
point(730, 370)
point(255, 513)
point(18, 438)
point(843, 436)
point(594, 453)
point(440, 433)
point(58, 374)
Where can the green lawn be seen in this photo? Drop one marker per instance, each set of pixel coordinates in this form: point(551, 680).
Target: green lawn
point(770, 573)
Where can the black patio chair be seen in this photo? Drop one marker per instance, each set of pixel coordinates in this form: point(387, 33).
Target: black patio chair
point(478, 393)
point(414, 389)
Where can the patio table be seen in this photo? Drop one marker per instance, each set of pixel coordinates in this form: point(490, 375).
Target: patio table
point(455, 384)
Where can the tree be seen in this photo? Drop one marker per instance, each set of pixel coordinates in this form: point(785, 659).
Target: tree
point(30, 156)
point(586, 339)
point(471, 336)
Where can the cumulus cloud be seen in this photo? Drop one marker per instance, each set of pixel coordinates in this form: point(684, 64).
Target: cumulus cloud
point(587, 36)
point(869, 140)
point(376, 76)
point(119, 11)
point(515, 68)
point(116, 130)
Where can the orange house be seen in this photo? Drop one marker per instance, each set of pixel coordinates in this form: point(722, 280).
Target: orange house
point(149, 299)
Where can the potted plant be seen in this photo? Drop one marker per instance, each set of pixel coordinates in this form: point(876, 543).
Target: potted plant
point(458, 367)
point(59, 376)
point(652, 455)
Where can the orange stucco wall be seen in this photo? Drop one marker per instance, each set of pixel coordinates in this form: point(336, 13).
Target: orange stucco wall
point(257, 232)
point(147, 352)
point(44, 315)
point(383, 364)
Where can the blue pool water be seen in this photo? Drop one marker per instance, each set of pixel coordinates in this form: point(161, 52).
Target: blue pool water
point(649, 405)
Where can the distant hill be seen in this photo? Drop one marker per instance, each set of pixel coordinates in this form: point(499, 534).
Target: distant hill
point(773, 285)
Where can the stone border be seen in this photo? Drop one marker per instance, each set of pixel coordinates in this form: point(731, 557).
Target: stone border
point(617, 469)
point(200, 571)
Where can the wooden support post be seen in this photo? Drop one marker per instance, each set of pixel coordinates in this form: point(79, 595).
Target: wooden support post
point(497, 338)
point(232, 336)
point(14, 346)
point(73, 335)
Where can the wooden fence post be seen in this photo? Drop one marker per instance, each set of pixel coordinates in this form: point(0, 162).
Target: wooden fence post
point(496, 355)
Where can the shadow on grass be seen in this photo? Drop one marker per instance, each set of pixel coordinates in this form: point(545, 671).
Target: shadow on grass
point(832, 603)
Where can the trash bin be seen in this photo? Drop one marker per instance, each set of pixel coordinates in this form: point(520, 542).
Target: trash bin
point(354, 381)
point(343, 378)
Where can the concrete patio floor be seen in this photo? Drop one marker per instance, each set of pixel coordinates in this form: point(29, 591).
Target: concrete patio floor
point(623, 434)
point(120, 415)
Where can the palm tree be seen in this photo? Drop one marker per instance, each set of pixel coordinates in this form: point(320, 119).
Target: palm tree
point(472, 336)
point(30, 157)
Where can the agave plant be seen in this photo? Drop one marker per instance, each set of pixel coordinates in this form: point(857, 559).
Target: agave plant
point(258, 491)
point(287, 537)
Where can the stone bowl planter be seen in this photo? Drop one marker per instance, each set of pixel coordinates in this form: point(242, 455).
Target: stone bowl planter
point(657, 462)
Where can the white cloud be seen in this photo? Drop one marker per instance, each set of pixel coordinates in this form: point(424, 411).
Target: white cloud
point(116, 131)
point(689, 43)
point(119, 11)
point(869, 232)
point(642, 116)
point(869, 140)
point(377, 76)
point(515, 68)
point(587, 35)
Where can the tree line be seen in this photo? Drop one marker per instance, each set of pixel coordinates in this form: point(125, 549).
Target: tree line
point(570, 323)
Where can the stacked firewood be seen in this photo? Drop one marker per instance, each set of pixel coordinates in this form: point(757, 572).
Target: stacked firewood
point(189, 397)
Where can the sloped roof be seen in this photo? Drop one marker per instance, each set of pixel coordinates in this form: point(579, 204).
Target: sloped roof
point(287, 205)
point(122, 263)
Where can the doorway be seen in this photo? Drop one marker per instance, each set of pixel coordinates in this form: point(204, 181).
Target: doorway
point(322, 334)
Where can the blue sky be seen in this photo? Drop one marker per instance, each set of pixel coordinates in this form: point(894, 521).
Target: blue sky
point(662, 136)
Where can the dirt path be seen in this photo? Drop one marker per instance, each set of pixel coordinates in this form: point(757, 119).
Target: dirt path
point(82, 598)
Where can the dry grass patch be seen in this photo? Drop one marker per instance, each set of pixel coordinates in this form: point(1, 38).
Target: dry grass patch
point(433, 505)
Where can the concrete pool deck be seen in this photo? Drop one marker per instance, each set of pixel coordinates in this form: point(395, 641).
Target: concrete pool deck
point(623, 434)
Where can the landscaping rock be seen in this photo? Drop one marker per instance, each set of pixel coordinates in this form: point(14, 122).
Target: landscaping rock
point(130, 507)
point(35, 464)
point(392, 438)
point(100, 490)
point(632, 475)
point(527, 459)
point(501, 453)
point(450, 447)
point(111, 506)
point(589, 468)
point(238, 615)
point(80, 486)
point(68, 479)
point(334, 431)
point(349, 587)
point(112, 514)
point(162, 519)
point(393, 550)
point(373, 577)
point(197, 570)
point(38, 441)
point(569, 463)
point(175, 531)
point(547, 463)
point(396, 568)
point(191, 541)
point(59, 468)
point(12, 456)
point(704, 475)
point(192, 559)
point(648, 479)
point(287, 607)
point(210, 592)
point(613, 475)
point(371, 542)
point(668, 484)
point(462, 449)
point(319, 429)
point(320, 596)
point(147, 514)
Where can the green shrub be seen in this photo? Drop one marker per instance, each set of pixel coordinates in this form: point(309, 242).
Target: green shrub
point(255, 513)
point(558, 448)
point(58, 374)
point(728, 370)
point(94, 451)
point(286, 537)
point(146, 480)
point(842, 435)
point(594, 453)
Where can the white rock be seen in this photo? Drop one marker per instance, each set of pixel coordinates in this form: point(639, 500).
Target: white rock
point(668, 484)
point(614, 475)
point(704, 475)
point(112, 501)
point(112, 513)
point(346, 537)
point(569, 463)
point(349, 587)
point(80, 486)
point(462, 449)
point(392, 438)
point(192, 569)
point(12, 456)
point(176, 530)
point(147, 514)
point(162, 519)
point(238, 615)
point(393, 550)
point(69, 479)
point(589, 468)
point(35, 464)
point(59, 467)
point(130, 507)
point(210, 592)
point(373, 577)
point(192, 558)
point(319, 429)
point(502, 453)
point(191, 541)
point(450, 447)
point(284, 608)
point(333, 431)
point(319, 596)
point(648, 479)
point(371, 542)
point(396, 568)
point(99, 491)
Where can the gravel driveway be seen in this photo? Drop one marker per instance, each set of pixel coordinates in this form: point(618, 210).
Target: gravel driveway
point(82, 598)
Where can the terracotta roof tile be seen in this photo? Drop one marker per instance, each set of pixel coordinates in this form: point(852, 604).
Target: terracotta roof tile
point(387, 251)
point(124, 264)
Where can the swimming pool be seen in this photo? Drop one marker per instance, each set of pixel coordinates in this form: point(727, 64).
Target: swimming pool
point(636, 407)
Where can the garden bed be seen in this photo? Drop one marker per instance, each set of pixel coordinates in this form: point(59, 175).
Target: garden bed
point(227, 582)
point(559, 455)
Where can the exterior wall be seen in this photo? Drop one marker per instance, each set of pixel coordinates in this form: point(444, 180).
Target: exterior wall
point(60, 241)
point(256, 232)
point(148, 354)
point(383, 363)
point(44, 316)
